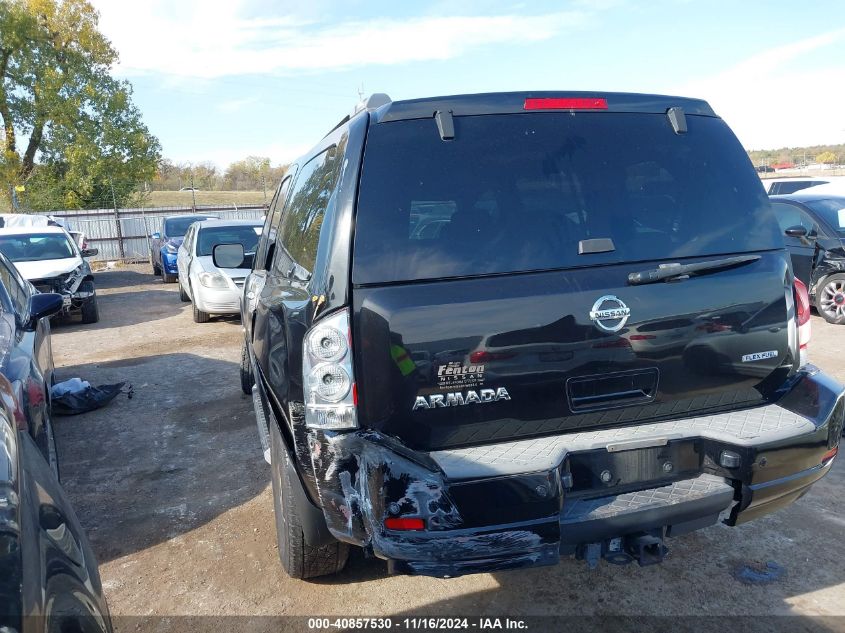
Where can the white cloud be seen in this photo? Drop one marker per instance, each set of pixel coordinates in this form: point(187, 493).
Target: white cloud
point(236, 105)
point(777, 98)
point(210, 39)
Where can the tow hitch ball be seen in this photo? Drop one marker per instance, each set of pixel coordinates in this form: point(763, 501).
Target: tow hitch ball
point(646, 549)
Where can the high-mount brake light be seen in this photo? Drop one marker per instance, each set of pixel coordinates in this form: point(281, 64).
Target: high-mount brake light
point(328, 378)
point(565, 103)
point(802, 314)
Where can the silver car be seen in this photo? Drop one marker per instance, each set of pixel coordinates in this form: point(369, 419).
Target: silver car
point(213, 290)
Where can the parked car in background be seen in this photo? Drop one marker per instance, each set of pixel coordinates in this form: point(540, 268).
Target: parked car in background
point(52, 262)
point(164, 244)
point(814, 228)
point(49, 580)
point(781, 186)
point(79, 239)
point(213, 290)
point(26, 354)
point(553, 227)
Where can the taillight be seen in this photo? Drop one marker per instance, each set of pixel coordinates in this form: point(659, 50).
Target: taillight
point(328, 379)
point(802, 315)
point(404, 523)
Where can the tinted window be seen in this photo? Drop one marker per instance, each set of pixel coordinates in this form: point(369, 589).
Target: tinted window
point(791, 186)
point(271, 223)
point(300, 229)
point(211, 236)
point(519, 192)
point(177, 227)
point(33, 247)
point(832, 210)
point(789, 215)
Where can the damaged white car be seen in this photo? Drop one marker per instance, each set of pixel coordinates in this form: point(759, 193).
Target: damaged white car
point(52, 262)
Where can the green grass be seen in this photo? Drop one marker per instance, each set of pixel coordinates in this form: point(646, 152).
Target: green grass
point(184, 198)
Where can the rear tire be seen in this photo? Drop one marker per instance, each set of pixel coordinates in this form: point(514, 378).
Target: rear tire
point(156, 269)
point(830, 299)
point(182, 294)
point(199, 315)
point(299, 560)
point(247, 379)
point(90, 310)
point(167, 278)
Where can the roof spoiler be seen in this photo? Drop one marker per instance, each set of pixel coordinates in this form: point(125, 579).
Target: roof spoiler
point(375, 100)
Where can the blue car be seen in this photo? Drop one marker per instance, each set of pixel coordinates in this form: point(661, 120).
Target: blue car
point(165, 244)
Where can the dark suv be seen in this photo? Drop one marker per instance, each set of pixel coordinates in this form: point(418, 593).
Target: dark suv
point(487, 331)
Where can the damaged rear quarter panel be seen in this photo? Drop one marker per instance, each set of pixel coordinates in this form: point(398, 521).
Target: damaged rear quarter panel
point(362, 480)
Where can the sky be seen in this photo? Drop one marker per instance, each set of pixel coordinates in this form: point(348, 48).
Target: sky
point(221, 80)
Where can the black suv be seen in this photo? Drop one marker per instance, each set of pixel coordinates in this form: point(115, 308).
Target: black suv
point(490, 330)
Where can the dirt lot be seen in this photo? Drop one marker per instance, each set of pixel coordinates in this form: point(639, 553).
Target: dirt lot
point(176, 499)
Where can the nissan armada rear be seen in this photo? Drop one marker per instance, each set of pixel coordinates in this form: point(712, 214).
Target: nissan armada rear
point(488, 331)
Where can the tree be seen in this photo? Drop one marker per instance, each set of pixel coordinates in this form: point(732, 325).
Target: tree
point(827, 158)
point(71, 133)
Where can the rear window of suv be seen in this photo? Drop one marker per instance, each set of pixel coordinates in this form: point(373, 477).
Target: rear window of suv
point(519, 192)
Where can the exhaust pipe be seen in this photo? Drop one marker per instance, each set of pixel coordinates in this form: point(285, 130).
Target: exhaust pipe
point(646, 549)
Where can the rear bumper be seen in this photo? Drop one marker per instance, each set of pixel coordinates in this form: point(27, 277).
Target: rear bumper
point(527, 503)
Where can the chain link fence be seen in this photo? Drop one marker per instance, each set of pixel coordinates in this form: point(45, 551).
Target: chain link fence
point(125, 235)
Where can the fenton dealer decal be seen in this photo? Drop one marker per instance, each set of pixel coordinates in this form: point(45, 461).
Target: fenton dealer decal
point(456, 375)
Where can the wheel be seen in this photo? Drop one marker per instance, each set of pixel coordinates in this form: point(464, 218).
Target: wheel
point(90, 310)
point(830, 299)
point(167, 278)
point(156, 269)
point(199, 315)
point(247, 379)
point(299, 559)
point(182, 294)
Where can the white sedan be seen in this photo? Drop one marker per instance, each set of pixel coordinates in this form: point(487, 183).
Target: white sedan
point(213, 290)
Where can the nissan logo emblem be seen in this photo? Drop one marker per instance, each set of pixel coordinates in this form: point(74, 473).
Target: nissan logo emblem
point(610, 313)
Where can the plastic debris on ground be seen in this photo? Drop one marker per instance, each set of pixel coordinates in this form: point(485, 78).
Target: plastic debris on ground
point(75, 396)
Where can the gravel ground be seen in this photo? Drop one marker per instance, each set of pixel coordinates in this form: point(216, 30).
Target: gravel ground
point(176, 499)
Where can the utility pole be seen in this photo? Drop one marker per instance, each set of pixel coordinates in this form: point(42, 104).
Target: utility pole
point(193, 191)
point(264, 186)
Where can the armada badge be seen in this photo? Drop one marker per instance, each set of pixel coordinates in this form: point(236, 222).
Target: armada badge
point(610, 313)
point(457, 398)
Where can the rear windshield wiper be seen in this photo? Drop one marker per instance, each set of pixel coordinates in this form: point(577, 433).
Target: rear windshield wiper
point(674, 271)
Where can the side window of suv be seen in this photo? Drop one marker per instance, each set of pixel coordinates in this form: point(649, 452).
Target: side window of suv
point(264, 253)
point(300, 229)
